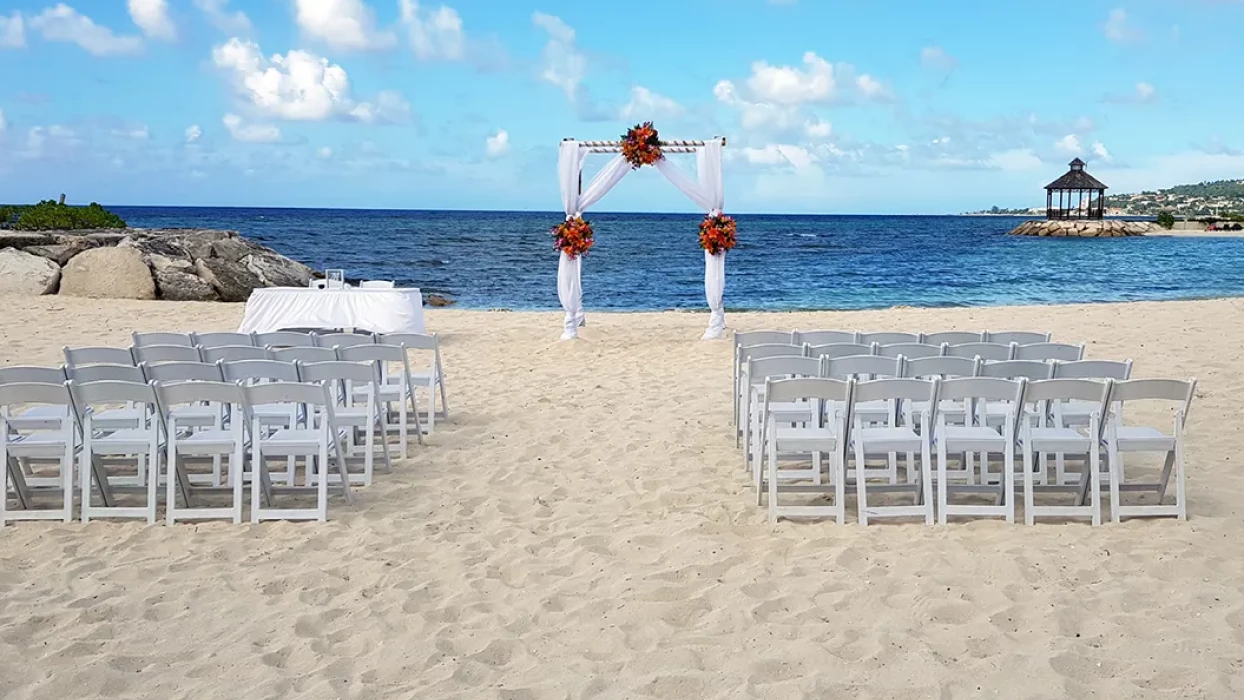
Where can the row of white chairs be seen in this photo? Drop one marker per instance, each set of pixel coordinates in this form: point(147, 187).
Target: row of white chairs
point(825, 337)
point(260, 409)
point(817, 416)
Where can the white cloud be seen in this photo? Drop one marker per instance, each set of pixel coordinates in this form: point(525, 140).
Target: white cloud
point(498, 144)
point(3, 124)
point(151, 16)
point(1099, 150)
point(779, 154)
point(1119, 29)
point(935, 57)
point(12, 31)
point(300, 86)
point(1015, 160)
point(564, 65)
point(63, 23)
point(1069, 144)
point(139, 132)
point(193, 133)
point(250, 133)
point(818, 129)
point(344, 25)
point(1145, 92)
point(871, 88)
point(434, 34)
point(235, 22)
point(647, 105)
point(789, 85)
point(756, 115)
point(325, 152)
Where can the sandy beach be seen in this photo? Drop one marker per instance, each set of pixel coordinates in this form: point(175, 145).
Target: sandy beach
point(582, 529)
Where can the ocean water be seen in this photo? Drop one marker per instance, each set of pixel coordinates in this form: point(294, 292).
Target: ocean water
point(491, 260)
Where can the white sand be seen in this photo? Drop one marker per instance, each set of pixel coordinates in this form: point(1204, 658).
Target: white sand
point(583, 529)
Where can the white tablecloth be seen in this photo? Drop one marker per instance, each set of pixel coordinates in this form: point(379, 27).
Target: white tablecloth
point(375, 310)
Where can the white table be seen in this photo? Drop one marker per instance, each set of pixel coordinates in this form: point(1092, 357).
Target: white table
point(375, 310)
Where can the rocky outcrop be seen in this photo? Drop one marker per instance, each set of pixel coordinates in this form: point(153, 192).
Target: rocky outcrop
point(173, 264)
point(1084, 229)
point(26, 273)
point(108, 273)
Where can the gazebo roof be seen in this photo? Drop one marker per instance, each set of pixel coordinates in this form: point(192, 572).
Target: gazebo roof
point(1076, 179)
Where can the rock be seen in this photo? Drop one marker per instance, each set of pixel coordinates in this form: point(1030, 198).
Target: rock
point(437, 300)
point(60, 253)
point(108, 238)
point(170, 248)
point(176, 285)
point(110, 273)
point(23, 239)
point(233, 249)
point(198, 243)
point(159, 264)
point(27, 274)
point(277, 271)
point(232, 280)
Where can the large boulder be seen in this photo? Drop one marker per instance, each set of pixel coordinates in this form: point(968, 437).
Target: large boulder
point(232, 280)
point(22, 239)
point(110, 273)
point(159, 264)
point(176, 285)
point(25, 273)
point(60, 253)
point(234, 249)
point(198, 243)
point(277, 270)
point(166, 246)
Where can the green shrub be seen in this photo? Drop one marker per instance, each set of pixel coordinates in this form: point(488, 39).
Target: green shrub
point(49, 215)
point(1166, 220)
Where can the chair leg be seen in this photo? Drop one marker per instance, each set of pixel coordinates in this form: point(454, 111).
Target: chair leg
point(1095, 477)
point(440, 382)
point(926, 480)
point(772, 469)
point(1180, 506)
point(153, 482)
point(941, 482)
point(1028, 497)
point(861, 497)
point(1008, 483)
point(414, 407)
point(840, 484)
point(1112, 463)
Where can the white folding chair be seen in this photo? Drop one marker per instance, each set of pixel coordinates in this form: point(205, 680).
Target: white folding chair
point(315, 441)
point(122, 417)
point(395, 384)
point(187, 442)
point(887, 338)
point(140, 443)
point(433, 379)
point(891, 440)
point(1076, 413)
point(97, 356)
point(745, 354)
point(757, 373)
point(911, 351)
point(216, 340)
point(156, 354)
point(1047, 352)
point(39, 416)
point(864, 368)
point(824, 337)
point(194, 416)
point(978, 437)
point(283, 339)
point(1043, 439)
point(232, 353)
point(346, 381)
point(743, 339)
point(835, 350)
point(142, 339)
point(826, 433)
point(51, 438)
point(991, 352)
point(1121, 438)
point(302, 354)
point(343, 340)
point(1016, 337)
point(952, 337)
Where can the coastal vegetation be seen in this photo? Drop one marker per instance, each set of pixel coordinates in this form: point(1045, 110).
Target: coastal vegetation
point(1166, 220)
point(50, 215)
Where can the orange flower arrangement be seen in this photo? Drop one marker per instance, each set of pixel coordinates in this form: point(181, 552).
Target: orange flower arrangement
point(573, 237)
point(717, 233)
point(641, 145)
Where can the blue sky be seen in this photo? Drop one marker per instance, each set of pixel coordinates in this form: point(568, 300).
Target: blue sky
point(902, 106)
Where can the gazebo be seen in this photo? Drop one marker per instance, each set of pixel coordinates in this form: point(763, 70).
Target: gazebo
point(1080, 195)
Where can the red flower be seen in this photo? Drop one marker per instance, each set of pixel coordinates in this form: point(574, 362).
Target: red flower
point(574, 237)
point(641, 145)
point(718, 234)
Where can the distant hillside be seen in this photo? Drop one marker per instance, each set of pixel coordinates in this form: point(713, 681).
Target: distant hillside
point(1220, 198)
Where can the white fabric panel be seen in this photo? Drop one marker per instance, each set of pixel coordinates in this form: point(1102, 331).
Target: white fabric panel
point(714, 290)
point(685, 184)
point(608, 177)
point(570, 292)
point(376, 310)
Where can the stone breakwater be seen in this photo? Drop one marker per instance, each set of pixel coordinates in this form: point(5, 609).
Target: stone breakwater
point(1084, 229)
point(172, 264)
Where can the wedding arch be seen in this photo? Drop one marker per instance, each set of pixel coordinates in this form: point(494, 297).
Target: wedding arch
point(640, 146)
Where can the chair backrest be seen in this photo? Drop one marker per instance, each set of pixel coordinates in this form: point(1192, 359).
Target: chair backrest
point(1018, 369)
point(825, 337)
point(863, 367)
point(181, 393)
point(986, 388)
point(303, 354)
point(98, 356)
point(1044, 352)
point(1070, 390)
point(808, 388)
point(834, 350)
point(994, 352)
point(412, 341)
point(85, 394)
point(887, 338)
point(898, 390)
point(33, 393)
point(757, 352)
point(283, 339)
point(106, 373)
point(285, 393)
point(1017, 337)
point(953, 337)
point(376, 284)
point(941, 367)
point(215, 340)
point(911, 350)
point(748, 338)
point(1175, 390)
point(154, 354)
point(768, 367)
point(344, 340)
point(258, 371)
point(1094, 369)
point(177, 372)
point(232, 353)
point(336, 370)
point(32, 375)
point(143, 339)
point(371, 353)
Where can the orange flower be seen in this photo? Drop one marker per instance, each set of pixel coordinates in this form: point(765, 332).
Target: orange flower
point(641, 145)
point(718, 234)
point(573, 237)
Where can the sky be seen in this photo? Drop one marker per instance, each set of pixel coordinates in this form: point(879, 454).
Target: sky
point(828, 106)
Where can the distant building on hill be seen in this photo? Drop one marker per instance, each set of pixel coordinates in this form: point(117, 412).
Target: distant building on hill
point(1080, 195)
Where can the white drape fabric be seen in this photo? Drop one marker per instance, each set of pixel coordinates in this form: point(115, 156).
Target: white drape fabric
point(569, 270)
point(710, 194)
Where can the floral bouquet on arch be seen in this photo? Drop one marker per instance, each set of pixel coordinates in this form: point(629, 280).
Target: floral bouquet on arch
point(718, 233)
point(641, 145)
point(574, 237)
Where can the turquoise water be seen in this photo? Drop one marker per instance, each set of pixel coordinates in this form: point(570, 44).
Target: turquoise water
point(653, 261)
